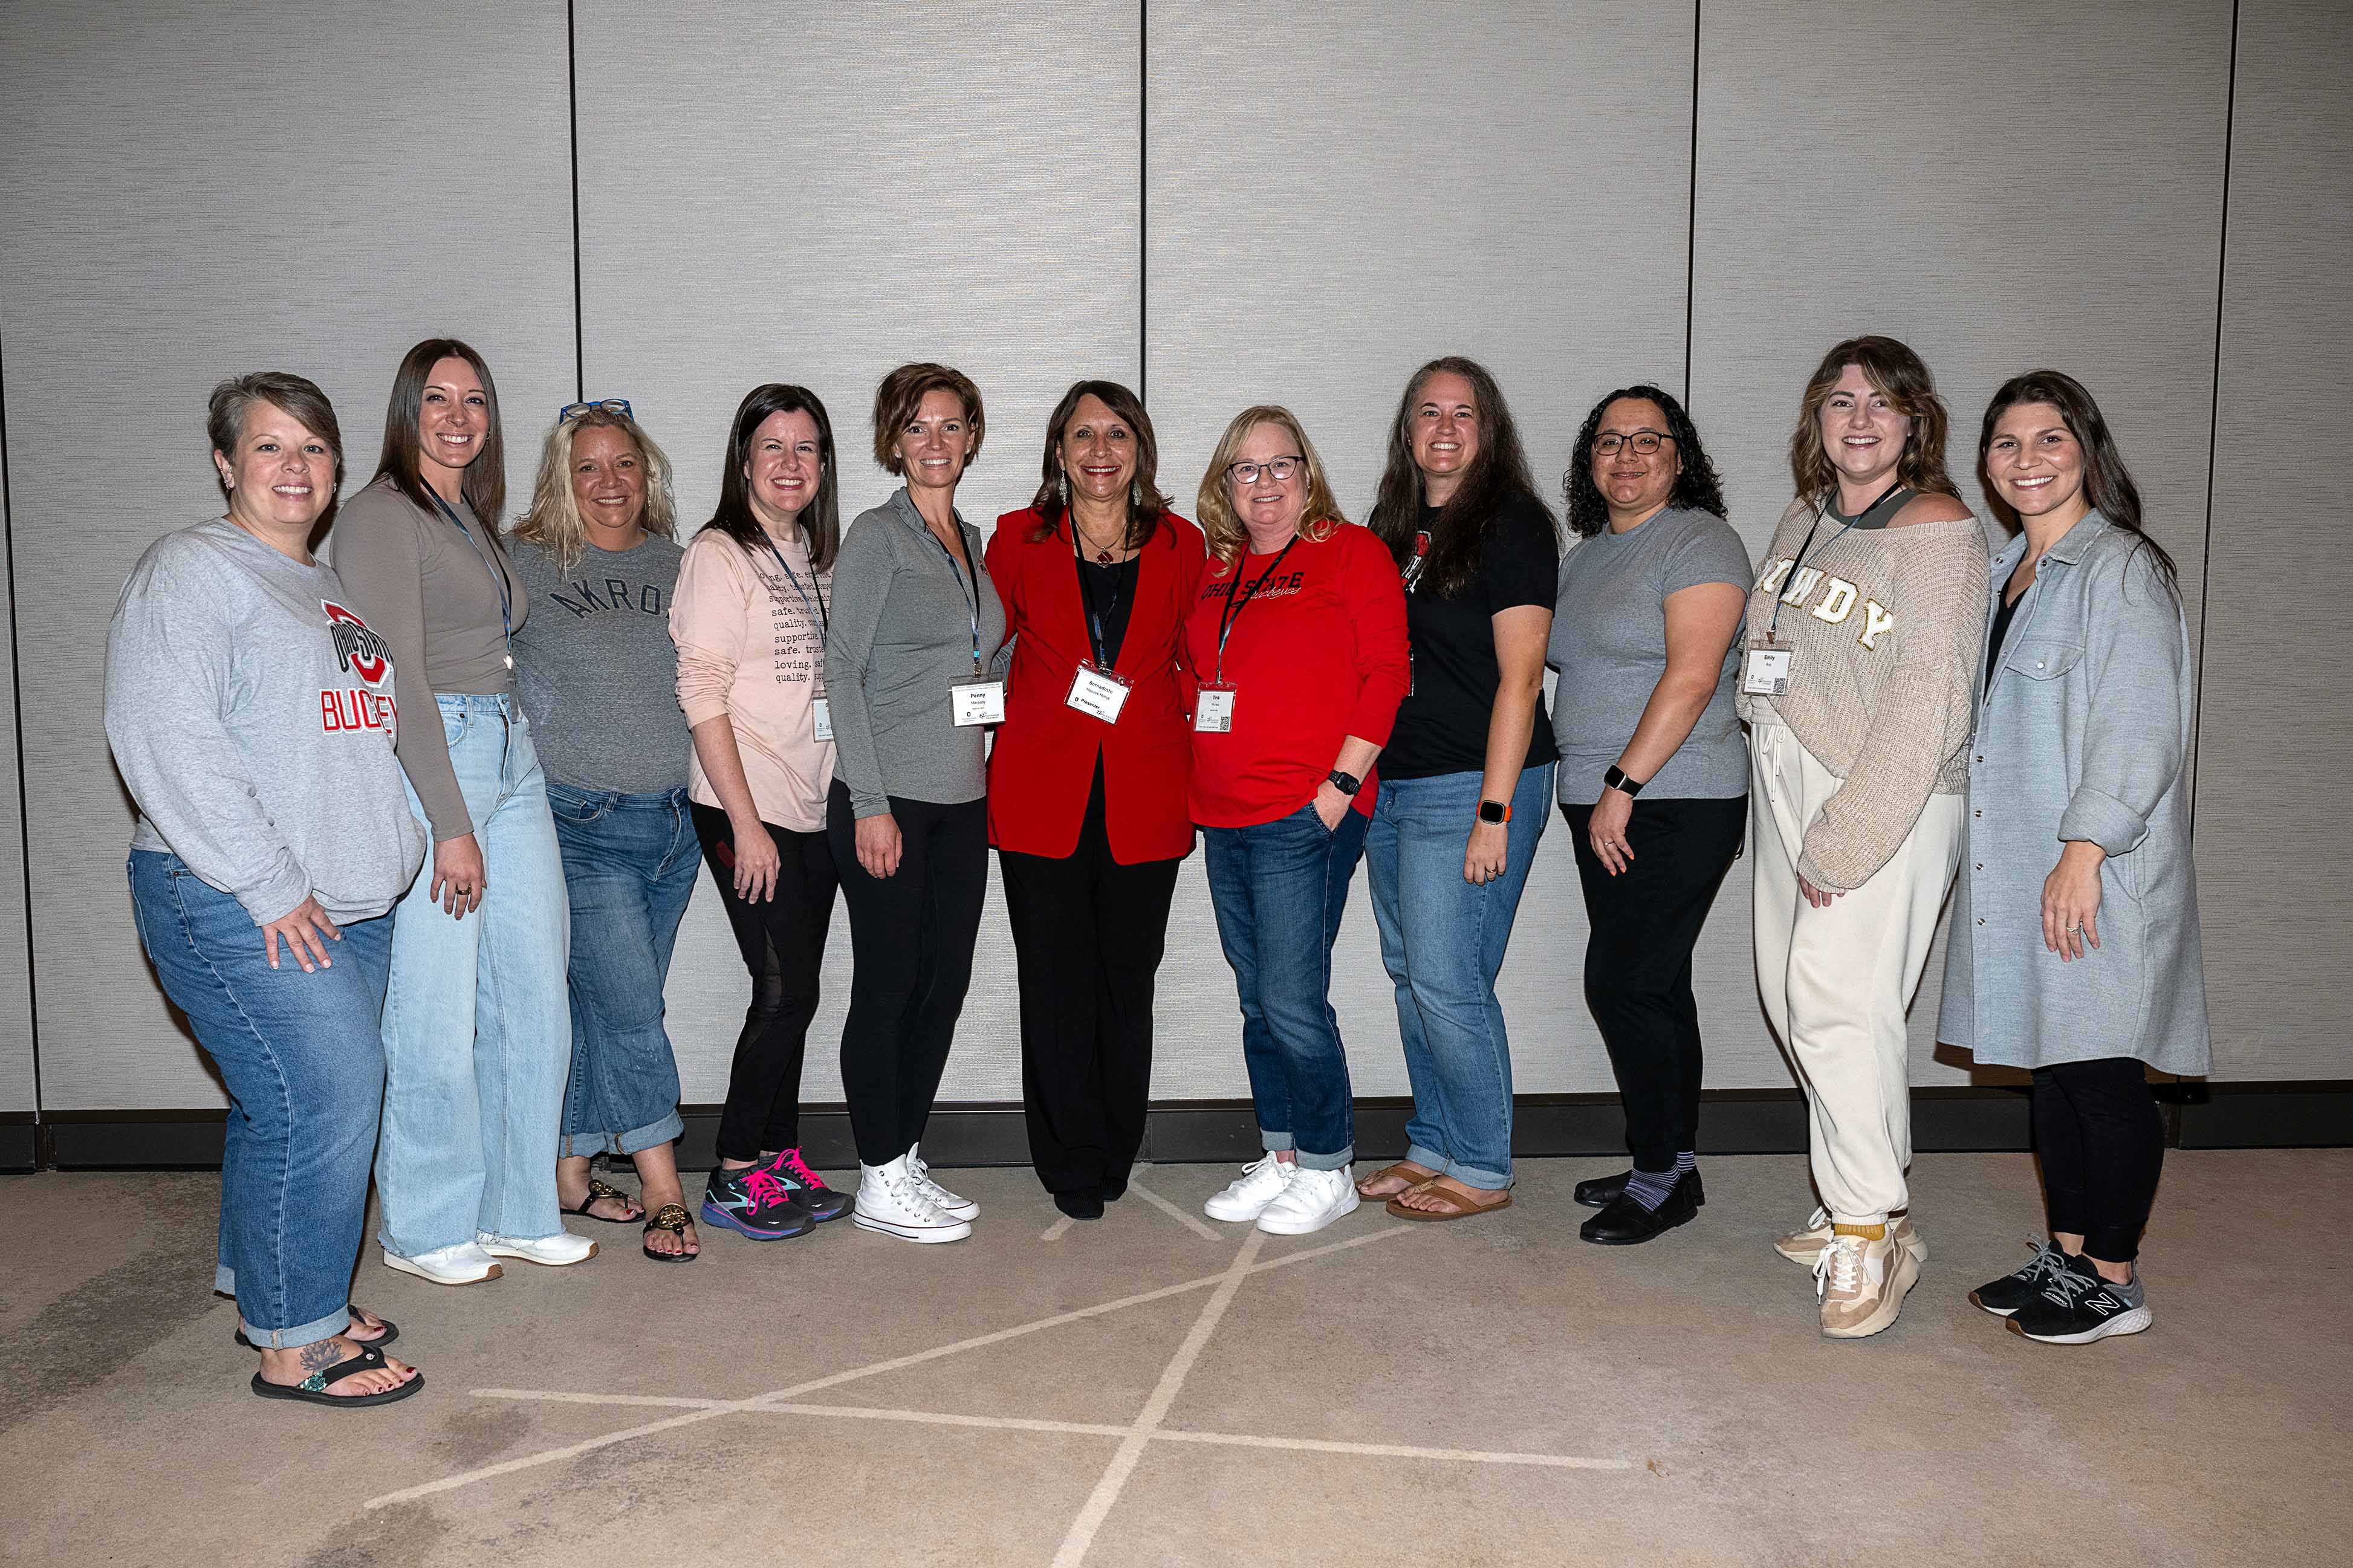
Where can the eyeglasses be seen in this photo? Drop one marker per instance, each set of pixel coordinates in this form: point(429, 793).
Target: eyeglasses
point(1644, 442)
point(619, 406)
point(1279, 470)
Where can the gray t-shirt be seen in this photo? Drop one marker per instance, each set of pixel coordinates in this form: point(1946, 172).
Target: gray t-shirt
point(1609, 644)
point(595, 669)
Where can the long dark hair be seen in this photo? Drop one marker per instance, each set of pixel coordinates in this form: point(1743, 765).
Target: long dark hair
point(820, 521)
point(1144, 502)
point(2107, 483)
point(1459, 536)
point(1903, 378)
point(485, 484)
point(1696, 487)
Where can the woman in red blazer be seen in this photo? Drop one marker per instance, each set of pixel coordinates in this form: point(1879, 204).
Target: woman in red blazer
point(1087, 783)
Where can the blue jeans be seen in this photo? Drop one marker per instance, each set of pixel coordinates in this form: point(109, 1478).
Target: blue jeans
point(628, 868)
point(1442, 938)
point(477, 1030)
point(1279, 889)
point(305, 1072)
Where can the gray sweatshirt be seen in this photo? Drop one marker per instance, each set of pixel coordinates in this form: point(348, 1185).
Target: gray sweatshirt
point(252, 713)
point(901, 635)
point(595, 670)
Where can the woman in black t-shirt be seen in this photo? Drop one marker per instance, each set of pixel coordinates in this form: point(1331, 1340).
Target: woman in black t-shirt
point(1466, 777)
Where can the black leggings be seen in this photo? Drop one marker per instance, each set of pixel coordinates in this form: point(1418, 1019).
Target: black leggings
point(2102, 1141)
point(911, 937)
point(783, 944)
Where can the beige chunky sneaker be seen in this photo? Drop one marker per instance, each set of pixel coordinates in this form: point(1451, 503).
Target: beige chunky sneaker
point(1861, 1281)
point(1802, 1247)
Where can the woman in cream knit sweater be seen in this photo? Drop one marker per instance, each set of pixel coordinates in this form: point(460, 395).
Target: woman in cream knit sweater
point(1861, 644)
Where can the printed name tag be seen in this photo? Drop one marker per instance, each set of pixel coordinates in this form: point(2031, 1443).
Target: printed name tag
point(1213, 709)
point(1097, 691)
point(979, 703)
point(823, 712)
point(1765, 672)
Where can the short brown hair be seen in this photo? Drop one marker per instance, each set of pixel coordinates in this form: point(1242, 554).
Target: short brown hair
point(1318, 517)
point(300, 399)
point(901, 395)
point(1903, 378)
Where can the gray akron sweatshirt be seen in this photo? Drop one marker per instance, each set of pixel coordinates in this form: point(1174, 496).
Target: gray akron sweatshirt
point(251, 712)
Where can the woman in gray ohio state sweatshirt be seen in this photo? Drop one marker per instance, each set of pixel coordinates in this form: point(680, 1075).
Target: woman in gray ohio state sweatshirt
point(251, 712)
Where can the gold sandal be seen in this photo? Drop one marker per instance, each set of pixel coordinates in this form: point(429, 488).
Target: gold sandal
point(673, 1219)
point(602, 1189)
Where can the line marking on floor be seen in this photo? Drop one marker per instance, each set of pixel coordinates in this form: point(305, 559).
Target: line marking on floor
point(1196, 1227)
point(1055, 1231)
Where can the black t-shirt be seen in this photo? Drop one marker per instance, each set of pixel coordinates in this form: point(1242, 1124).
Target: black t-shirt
point(1442, 726)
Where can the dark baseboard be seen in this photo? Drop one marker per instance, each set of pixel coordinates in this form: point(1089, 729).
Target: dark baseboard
point(1213, 1132)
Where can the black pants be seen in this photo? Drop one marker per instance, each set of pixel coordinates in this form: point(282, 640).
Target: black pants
point(1638, 963)
point(1088, 933)
point(2102, 1141)
point(783, 944)
point(911, 936)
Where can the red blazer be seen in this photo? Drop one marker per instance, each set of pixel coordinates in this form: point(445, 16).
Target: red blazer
point(1042, 767)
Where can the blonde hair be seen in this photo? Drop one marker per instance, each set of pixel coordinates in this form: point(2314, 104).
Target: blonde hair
point(1318, 519)
point(553, 523)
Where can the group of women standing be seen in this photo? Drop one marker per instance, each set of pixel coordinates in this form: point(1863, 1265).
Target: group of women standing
point(806, 710)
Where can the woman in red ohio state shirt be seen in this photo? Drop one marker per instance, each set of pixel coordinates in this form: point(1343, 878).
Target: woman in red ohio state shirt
point(1296, 643)
point(1086, 783)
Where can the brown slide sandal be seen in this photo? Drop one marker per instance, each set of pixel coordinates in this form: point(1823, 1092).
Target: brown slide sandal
point(1457, 1205)
point(1412, 1175)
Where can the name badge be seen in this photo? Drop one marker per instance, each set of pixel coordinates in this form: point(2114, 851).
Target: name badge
point(823, 712)
point(977, 702)
point(1765, 672)
point(1097, 691)
point(1213, 710)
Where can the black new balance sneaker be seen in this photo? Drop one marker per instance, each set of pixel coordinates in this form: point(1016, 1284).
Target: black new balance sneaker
point(2008, 1294)
point(2077, 1306)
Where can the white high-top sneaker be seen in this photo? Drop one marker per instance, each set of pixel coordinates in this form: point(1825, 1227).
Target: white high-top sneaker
point(1245, 1197)
point(890, 1201)
point(948, 1203)
point(1312, 1200)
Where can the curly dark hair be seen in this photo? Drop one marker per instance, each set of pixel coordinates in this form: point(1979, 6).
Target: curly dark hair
point(1696, 487)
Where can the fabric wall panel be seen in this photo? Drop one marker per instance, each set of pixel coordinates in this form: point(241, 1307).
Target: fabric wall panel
point(2275, 744)
point(813, 196)
point(194, 192)
point(1908, 171)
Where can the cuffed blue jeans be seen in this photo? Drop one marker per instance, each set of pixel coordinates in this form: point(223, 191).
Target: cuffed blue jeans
point(1279, 889)
point(477, 1026)
point(629, 870)
point(304, 1067)
point(1442, 940)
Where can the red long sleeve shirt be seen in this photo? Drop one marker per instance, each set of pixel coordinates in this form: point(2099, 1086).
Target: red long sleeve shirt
point(1316, 653)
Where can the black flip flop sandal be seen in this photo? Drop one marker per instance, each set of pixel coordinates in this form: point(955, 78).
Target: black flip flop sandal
point(313, 1390)
point(391, 1332)
point(675, 1219)
point(602, 1189)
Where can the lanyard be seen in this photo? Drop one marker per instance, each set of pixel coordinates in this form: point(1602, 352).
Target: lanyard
point(1095, 619)
point(1237, 601)
point(1773, 626)
point(498, 578)
point(824, 625)
point(972, 599)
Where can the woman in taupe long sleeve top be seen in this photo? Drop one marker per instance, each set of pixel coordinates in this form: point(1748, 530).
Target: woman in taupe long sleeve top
point(477, 1026)
point(914, 630)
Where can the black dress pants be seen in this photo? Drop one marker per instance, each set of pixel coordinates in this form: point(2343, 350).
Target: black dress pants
point(1638, 963)
point(2102, 1143)
point(911, 936)
point(1088, 932)
point(783, 944)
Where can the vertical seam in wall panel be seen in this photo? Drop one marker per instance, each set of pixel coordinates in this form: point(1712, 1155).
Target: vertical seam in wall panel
point(2214, 414)
point(571, 96)
point(1691, 217)
point(24, 816)
point(1143, 200)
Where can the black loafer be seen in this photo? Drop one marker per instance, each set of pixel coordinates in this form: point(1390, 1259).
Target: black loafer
point(1082, 1202)
point(1601, 1191)
point(1626, 1223)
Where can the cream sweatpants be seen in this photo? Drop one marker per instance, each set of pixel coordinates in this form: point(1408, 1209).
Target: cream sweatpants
point(1837, 981)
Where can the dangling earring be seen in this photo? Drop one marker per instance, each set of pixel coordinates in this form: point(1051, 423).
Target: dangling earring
point(1063, 486)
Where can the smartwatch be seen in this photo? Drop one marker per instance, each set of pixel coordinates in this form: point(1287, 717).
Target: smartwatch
point(1346, 784)
point(1616, 779)
point(1494, 811)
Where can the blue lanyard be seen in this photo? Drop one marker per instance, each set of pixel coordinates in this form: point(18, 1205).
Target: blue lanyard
point(972, 599)
point(824, 625)
point(1095, 617)
point(498, 578)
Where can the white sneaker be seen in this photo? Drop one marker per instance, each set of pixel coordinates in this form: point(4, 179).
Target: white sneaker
point(1312, 1200)
point(1246, 1197)
point(890, 1200)
point(462, 1263)
point(1861, 1282)
point(554, 1251)
point(954, 1205)
point(1804, 1247)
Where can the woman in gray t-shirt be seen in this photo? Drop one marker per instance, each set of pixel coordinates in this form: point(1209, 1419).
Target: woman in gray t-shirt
point(1641, 634)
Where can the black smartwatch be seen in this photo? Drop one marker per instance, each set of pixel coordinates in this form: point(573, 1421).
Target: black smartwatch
point(1616, 779)
point(1346, 784)
point(1494, 811)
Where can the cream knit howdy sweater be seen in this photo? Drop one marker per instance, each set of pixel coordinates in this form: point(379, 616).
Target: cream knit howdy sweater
point(1884, 626)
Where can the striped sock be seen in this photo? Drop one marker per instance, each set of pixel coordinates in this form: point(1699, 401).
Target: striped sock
point(1649, 1188)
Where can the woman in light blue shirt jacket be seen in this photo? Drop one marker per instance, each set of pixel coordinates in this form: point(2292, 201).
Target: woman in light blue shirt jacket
point(2075, 940)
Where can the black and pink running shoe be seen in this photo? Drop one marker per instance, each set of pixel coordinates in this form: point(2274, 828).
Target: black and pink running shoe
point(752, 1202)
point(808, 1188)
